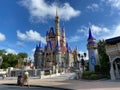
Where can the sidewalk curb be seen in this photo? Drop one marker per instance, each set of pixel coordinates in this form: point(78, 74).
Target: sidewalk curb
point(42, 86)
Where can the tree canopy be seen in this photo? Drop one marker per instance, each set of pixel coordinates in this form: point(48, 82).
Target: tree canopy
point(10, 59)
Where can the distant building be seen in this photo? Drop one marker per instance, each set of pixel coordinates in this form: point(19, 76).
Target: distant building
point(92, 51)
point(56, 52)
point(113, 51)
point(24, 64)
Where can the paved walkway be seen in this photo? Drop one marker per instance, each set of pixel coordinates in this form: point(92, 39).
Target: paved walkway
point(71, 84)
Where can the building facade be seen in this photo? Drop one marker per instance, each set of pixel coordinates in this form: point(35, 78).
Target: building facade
point(56, 52)
point(113, 51)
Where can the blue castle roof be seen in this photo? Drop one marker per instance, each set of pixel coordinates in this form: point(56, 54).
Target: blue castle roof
point(47, 33)
point(90, 35)
point(68, 48)
point(66, 45)
point(113, 40)
point(92, 42)
point(40, 44)
point(52, 31)
point(91, 39)
point(39, 48)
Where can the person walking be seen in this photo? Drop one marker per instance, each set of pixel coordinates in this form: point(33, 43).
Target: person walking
point(25, 78)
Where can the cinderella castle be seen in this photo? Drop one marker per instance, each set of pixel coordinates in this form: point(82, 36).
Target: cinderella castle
point(56, 52)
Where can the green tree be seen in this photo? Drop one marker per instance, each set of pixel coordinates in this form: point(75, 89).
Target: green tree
point(2, 52)
point(9, 60)
point(22, 55)
point(104, 59)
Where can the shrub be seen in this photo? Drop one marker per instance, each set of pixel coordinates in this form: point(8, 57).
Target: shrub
point(97, 68)
point(91, 75)
point(87, 73)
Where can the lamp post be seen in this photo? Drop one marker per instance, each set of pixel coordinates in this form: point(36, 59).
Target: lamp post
point(83, 61)
point(78, 62)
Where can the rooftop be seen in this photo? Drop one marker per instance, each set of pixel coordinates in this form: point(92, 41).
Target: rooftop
point(113, 40)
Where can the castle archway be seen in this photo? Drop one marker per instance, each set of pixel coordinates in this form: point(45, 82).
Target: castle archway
point(113, 51)
point(115, 68)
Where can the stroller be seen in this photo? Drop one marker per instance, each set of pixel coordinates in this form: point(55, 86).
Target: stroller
point(19, 80)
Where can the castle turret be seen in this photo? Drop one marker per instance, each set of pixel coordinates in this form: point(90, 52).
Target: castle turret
point(38, 56)
point(92, 51)
point(47, 36)
point(69, 56)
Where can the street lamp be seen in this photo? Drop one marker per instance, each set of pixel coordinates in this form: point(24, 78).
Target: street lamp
point(82, 63)
point(78, 62)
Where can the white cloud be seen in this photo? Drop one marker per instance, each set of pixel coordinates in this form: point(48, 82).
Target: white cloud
point(93, 7)
point(31, 36)
point(73, 39)
point(40, 10)
point(83, 30)
point(9, 50)
point(33, 50)
point(99, 29)
point(104, 32)
point(2, 37)
point(114, 3)
point(20, 43)
point(115, 31)
point(96, 30)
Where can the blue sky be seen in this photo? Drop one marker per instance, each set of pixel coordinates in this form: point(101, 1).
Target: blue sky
point(23, 23)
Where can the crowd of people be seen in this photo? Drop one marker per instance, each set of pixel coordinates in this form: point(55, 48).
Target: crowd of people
point(22, 79)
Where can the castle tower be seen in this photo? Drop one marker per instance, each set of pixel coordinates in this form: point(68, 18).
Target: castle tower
point(69, 56)
point(63, 36)
point(58, 54)
point(57, 28)
point(92, 51)
point(38, 56)
point(57, 20)
point(58, 48)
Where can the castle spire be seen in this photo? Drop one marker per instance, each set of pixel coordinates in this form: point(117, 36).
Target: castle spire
point(63, 32)
point(40, 44)
point(91, 39)
point(90, 35)
point(57, 20)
